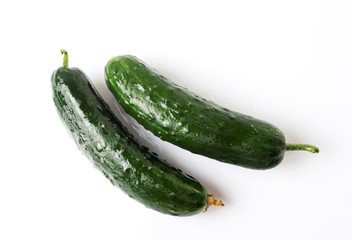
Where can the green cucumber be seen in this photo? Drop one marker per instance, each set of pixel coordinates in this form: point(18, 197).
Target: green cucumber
point(178, 116)
point(115, 152)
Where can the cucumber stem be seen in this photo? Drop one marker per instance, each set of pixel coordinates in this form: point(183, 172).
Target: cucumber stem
point(212, 201)
point(301, 147)
point(64, 52)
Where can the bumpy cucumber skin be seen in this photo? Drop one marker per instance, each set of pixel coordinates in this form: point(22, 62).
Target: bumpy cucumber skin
point(128, 165)
point(179, 116)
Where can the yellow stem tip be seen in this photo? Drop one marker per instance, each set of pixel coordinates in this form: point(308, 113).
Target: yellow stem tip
point(213, 201)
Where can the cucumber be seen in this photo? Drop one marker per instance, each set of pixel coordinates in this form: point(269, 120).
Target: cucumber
point(115, 152)
point(178, 116)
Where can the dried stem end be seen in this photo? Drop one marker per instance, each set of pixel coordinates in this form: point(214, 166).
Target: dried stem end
point(213, 201)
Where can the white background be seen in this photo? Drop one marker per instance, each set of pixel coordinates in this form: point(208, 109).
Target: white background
point(286, 62)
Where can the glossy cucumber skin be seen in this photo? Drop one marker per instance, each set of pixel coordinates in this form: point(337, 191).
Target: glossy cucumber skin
point(127, 164)
point(179, 116)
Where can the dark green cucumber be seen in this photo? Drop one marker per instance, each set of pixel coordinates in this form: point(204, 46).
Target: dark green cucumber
point(179, 116)
point(115, 152)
